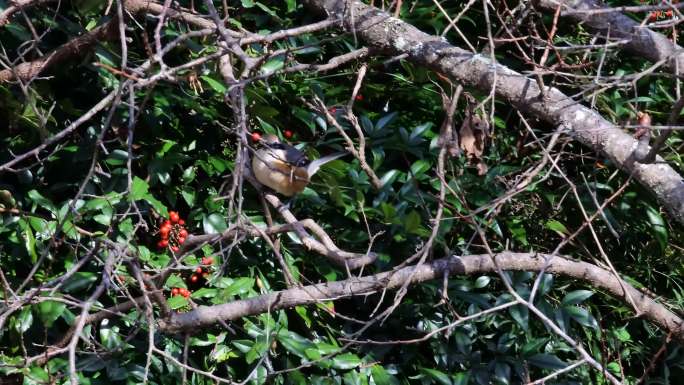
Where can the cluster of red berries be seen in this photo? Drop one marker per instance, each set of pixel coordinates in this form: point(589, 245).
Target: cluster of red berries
point(655, 15)
point(180, 291)
point(172, 232)
point(202, 271)
point(257, 136)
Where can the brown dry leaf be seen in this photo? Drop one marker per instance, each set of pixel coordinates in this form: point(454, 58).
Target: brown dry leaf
point(473, 135)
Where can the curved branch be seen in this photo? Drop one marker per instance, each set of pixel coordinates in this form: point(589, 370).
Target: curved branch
point(16, 6)
point(396, 37)
point(204, 316)
point(29, 70)
point(640, 39)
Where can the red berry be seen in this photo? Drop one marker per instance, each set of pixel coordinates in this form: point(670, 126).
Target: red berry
point(163, 243)
point(173, 216)
point(183, 233)
point(288, 134)
point(186, 293)
point(175, 249)
point(181, 240)
point(174, 291)
point(207, 260)
point(181, 222)
point(333, 110)
point(359, 97)
point(166, 223)
point(668, 13)
point(256, 136)
point(164, 231)
point(198, 270)
point(194, 278)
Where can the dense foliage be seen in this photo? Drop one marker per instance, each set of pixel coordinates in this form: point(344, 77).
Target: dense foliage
point(80, 220)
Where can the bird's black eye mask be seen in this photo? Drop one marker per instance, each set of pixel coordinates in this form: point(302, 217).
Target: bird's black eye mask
point(292, 155)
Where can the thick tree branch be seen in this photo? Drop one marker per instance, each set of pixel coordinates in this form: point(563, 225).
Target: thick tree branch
point(75, 47)
point(593, 275)
point(395, 37)
point(642, 41)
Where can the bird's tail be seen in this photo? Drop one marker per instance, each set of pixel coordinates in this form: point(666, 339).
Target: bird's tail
point(316, 164)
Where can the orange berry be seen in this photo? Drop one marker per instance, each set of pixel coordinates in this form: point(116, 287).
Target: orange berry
point(174, 291)
point(173, 216)
point(181, 240)
point(194, 278)
point(183, 233)
point(668, 13)
point(198, 270)
point(164, 231)
point(181, 222)
point(288, 134)
point(163, 243)
point(175, 249)
point(256, 136)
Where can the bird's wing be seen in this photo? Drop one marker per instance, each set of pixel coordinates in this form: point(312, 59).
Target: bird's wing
point(316, 164)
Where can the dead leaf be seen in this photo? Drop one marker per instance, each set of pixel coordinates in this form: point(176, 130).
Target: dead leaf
point(473, 137)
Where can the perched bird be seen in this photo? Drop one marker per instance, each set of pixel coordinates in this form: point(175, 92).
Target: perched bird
point(284, 168)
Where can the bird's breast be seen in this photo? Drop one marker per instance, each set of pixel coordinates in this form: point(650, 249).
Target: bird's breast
point(278, 175)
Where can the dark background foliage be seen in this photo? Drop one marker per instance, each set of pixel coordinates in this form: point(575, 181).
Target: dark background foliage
point(184, 148)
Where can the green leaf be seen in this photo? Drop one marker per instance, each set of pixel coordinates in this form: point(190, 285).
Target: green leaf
point(41, 201)
point(294, 343)
point(582, 316)
point(240, 286)
point(576, 297)
point(139, 189)
point(272, 65)
point(214, 84)
point(482, 281)
point(546, 361)
point(521, 315)
point(214, 224)
point(174, 280)
point(24, 320)
point(389, 177)
point(291, 5)
point(556, 226)
point(382, 377)
point(412, 222)
point(49, 311)
point(177, 302)
point(385, 120)
point(346, 361)
point(79, 280)
point(658, 227)
point(441, 377)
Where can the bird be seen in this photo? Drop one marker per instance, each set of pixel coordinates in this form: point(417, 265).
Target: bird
point(284, 168)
